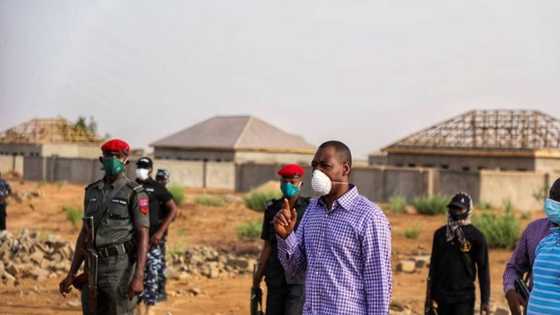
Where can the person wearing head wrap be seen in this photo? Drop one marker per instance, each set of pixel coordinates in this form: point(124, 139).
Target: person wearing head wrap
point(120, 211)
point(284, 294)
point(459, 253)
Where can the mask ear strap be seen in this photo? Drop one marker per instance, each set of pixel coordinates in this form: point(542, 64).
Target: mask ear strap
point(338, 182)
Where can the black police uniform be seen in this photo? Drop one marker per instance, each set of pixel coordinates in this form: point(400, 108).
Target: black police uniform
point(285, 295)
point(154, 283)
point(159, 196)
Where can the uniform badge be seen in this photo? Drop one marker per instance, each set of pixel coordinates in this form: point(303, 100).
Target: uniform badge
point(466, 247)
point(144, 206)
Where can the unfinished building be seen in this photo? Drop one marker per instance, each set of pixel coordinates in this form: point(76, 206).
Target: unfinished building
point(49, 137)
point(505, 140)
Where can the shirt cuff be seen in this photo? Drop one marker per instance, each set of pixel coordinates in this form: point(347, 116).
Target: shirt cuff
point(286, 245)
point(508, 287)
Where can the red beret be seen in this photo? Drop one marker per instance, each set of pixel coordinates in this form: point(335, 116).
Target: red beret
point(116, 145)
point(291, 170)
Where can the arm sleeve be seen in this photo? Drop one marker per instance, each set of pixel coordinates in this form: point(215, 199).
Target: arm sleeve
point(483, 267)
point(433, 262)
point(164, 195)
point(376, 253)
point(85, 202)
point(518, 264)
point(265, 232)
point(291, 251)
point(140, 208)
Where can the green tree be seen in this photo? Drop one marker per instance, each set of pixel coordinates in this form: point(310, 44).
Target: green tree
point(81, 124)
point(92, 125)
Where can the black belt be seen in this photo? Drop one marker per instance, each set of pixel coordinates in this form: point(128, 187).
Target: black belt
point(116, 250)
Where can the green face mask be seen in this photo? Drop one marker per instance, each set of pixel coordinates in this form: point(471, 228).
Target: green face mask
point(289, 190)
point(112, 166)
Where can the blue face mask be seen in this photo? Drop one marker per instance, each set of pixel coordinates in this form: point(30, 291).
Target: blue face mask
point(552, 210)
point(289, 190)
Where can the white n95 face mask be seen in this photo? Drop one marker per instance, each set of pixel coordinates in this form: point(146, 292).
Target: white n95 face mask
point(321, 183)
point(142, 173)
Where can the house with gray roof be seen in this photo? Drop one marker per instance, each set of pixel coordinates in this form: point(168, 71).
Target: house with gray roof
point(239, 139)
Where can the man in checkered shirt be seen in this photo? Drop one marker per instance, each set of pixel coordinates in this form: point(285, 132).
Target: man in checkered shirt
point(343, 243)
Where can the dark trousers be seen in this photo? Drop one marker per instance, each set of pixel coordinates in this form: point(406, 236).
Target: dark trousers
point(463, 308)
point(285, 300)
point(114, 276)
point(2, 217)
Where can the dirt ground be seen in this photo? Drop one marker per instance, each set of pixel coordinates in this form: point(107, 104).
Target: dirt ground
point(197, 225)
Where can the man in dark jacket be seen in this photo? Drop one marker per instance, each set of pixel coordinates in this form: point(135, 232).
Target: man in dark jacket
point(459, 251)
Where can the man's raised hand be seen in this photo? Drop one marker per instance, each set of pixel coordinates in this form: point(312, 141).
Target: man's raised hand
point(285, 220)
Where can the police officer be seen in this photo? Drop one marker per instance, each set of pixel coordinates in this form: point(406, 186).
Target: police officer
point(5, 191)
point(162, 177)
point(284, 294)
point(162, 212)
point(120, 208)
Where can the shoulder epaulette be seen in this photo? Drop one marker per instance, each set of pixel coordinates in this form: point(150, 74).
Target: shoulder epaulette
point(268, 204)
point(271, 203)
point(135, 186)
point(93, 184)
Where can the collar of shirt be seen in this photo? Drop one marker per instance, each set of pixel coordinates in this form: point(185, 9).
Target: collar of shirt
point(103, 184)
point(148, 181)
point(300, 202)
point(344, 202)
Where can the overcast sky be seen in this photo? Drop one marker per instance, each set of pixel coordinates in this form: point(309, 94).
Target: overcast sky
point(364, 72)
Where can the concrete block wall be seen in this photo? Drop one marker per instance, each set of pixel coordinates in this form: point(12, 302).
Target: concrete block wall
point(370, 182)
point(84, 171)
point(406, 182)
point(34, 168)
point(376, 183)
point(220, 175)
point(242, 157)
point(11, 163)
point(448, 183)
point(462, 163)
point(185, 173)
point(249, 176)
point(518, 187)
